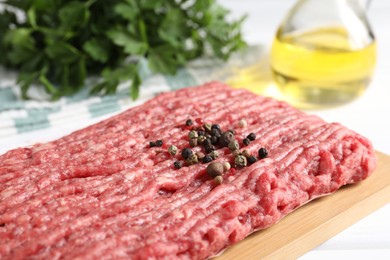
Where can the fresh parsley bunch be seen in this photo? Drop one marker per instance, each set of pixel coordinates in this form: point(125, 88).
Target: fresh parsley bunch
point(57, 43)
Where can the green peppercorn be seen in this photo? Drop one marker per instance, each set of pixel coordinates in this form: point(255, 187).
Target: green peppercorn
point(152, 144)
point(193, 142)
point(214, 169)
point(172, 150)
point(236, 153)
point(177, 164)
point(214, 154)
point(159, 143)
point(207, 127)
point(233, 145)
point(263, 153)
point(192, 134)
point(207, 159)
point(251, 159)
point(186, 153)
point(251, 137)
point(193, 159)
point(242, 123)
point(240, 161)
point(189, 122)
point(218, 179)
point(201, 139)
point(226, 166)
point(246, 141)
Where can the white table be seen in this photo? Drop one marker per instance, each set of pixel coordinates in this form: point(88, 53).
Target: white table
point(370, 237)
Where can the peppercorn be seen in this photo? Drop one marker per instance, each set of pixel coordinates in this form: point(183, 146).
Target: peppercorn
point(251, 137)
point(207, 141)
point(233, 145)
point(152, 144)
point(226, 138)
point(240, 161)
point(193, 159)
point(200, 155)
point(201, 139)
point(177, 164)
point(217, 127)
point(214, 169)
point(193, 142)
point(232, 131)
point(214, 139)
point(186, 153)
point(218, 179)
point(251, 159)
point(207, 127)
point(189, 122)
point(201, 132)
point(214, 155)
point(246, 153)
point(242, 123)
point(263, 153)
point(209, 148)
point(192, 134)
point(246, 141)
point(236, 153)
point(226, 166)
point(172, 150)
point(215, 132)
point(159, 143)
point(207, 159)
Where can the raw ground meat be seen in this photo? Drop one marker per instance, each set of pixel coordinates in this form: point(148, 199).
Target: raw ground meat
point(103, 193)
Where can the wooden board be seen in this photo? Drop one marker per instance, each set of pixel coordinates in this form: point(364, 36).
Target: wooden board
point(317, 221)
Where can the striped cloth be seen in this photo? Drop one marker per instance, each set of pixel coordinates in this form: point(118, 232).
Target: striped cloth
point(18, 116)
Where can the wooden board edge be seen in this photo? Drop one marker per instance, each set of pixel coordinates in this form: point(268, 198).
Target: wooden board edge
point(296, 242)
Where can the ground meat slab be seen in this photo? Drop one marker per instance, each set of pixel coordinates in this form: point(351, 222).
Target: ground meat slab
point(103, 193)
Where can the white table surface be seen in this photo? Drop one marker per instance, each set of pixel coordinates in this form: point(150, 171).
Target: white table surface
point(370, 237)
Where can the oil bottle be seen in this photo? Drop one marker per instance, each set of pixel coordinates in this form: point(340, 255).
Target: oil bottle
point(324, 53)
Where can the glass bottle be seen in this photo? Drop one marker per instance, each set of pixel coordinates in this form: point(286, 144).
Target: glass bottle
point(324, 53)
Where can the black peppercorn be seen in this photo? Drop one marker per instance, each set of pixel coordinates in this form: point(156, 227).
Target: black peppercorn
point(159, 143)
point(263, 153)
point(201, 132)
point(215, 132)
point(251, 136)
point(207, 159)
point(152, 144)
point(209, 148)
point(246, 141)
point(177, 164)
point(189, 122)
point(226, 138)
point(186, 153)
point(214, 139)
point(251, 159)
point(216, 126)
point(207, 141)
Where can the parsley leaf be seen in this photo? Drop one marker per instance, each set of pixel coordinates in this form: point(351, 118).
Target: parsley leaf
point(61, 42)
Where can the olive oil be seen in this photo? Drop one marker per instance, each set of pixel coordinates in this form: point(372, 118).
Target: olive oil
point(322, 67)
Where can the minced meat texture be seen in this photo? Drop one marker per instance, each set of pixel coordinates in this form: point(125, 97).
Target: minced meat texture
point(103, 193)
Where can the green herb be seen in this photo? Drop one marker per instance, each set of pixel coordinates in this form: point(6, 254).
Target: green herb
point(60, 42)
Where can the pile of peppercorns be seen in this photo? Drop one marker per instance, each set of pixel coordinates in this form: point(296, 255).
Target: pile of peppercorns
point(211, 137)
